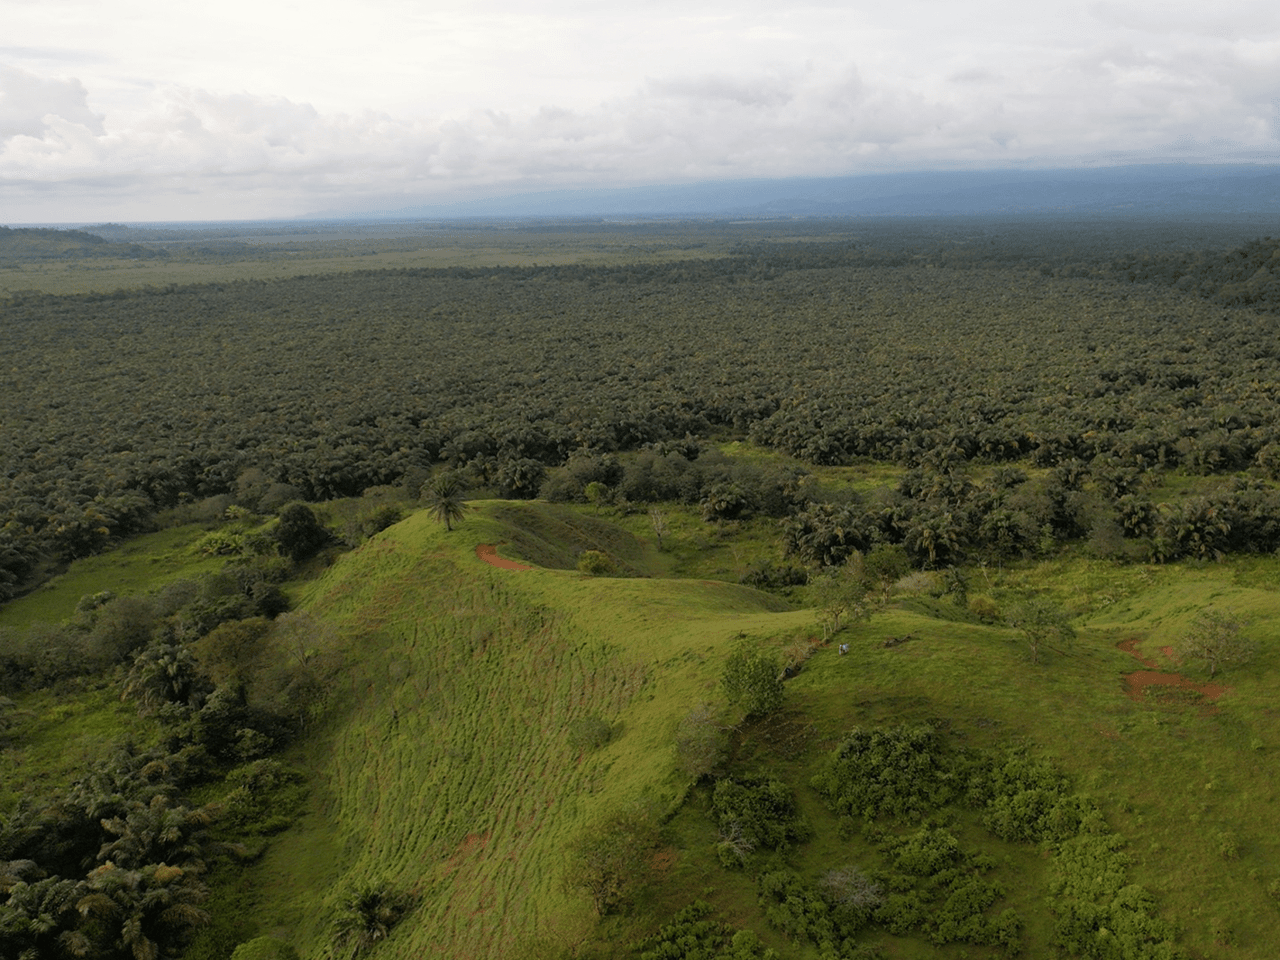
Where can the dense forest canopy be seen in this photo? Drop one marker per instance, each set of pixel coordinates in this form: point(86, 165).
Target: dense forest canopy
point(119, 404)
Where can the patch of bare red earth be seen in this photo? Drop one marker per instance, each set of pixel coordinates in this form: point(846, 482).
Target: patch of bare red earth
point(488, 552)
point(1139, 681)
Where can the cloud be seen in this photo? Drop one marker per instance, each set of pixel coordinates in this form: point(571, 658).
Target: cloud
point(30, 105)
point(188, 152)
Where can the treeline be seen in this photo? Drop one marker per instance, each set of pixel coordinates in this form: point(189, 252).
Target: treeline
point(321, 387)
point(25, 244)
point(114, 866)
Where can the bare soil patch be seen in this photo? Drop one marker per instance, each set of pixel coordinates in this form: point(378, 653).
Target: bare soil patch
point(489, 554)
point(1152, 685)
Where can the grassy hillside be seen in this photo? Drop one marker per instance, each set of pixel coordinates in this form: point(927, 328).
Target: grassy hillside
point(485, 719)
point(451, 769)
point(454, 766)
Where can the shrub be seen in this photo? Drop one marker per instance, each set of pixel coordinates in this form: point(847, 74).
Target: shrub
point(763, 809)
point(701, 742)
point(900, 772)
point(984, 608)
point(753, 682)
point(589, 733)
point(595, 563)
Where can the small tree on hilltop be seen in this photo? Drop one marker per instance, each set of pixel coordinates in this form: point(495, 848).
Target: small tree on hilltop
point(444, 499)
point(1215, 639)
point(839, 593)
point(1040, 620)
point(753, 681)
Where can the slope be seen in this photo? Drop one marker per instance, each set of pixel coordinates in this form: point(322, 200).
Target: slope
point(450, 768)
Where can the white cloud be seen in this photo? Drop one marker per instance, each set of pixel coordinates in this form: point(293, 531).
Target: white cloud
point(277, 107)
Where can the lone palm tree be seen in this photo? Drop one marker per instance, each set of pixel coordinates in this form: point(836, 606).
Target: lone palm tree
point(444, 499)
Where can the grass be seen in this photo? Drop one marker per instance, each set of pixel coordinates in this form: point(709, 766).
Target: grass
point(137, 566)
point(54, 736)
point(448, 763)
point(310, 257)
point(450, 768)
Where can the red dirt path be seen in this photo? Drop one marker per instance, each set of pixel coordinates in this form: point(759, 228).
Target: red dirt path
point(1137, 682)
point(489, 554)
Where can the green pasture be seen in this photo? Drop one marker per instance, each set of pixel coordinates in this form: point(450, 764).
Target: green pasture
point(448, 769)
point(306, 256)
point(448, 765)
point(137, 566)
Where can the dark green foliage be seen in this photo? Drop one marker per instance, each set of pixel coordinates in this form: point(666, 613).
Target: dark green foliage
point(589, 733)
point(769, 575)
point(164, 673)
point(565, 389)
point(520, 479)
point(1216, 639)
point(365, 526)
point(1026, 800)
point(299, 534)
point(595, 563)
point(753, 682)
point(1041, 622)
point(366, 917)
point(1099, 916)
point(902, 772)
point(609, 861)
point(701, 742)
point(112, 868)
point(825, 534)
point(692, 935)
point(800, 912)
point(940, 891)
point(754, 812)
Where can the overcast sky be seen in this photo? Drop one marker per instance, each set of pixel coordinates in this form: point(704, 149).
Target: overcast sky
point(143, 109)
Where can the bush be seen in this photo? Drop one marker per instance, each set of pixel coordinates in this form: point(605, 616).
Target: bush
point(901, 772)
point(610, 860)
point(701, 742)
point(760, 811)
point(589, 733)
point(984, 608)
point(753, 681)
point(595, 563)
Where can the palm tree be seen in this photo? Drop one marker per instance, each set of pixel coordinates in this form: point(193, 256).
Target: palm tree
point(444, 499)
point(144, 911)
point(367, 916)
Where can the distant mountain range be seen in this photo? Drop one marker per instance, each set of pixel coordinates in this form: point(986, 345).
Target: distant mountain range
point(1154, 190)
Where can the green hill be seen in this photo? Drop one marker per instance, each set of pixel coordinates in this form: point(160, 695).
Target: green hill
point(484, 721)
point(451, 769)
point(454, 766)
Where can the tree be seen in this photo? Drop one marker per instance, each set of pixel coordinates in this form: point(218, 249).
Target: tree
point(299, 534)
point(701, 741)
point(611, 860)
point(444, 499)
point(659, 524)
point(839, 593)
point(145, 912)
point(753, 681)
point(1215, 639)
point(1040, 620)
point(366, 917)
point(163, 673)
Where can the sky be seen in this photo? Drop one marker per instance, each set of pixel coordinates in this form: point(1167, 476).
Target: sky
point(136, 110)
